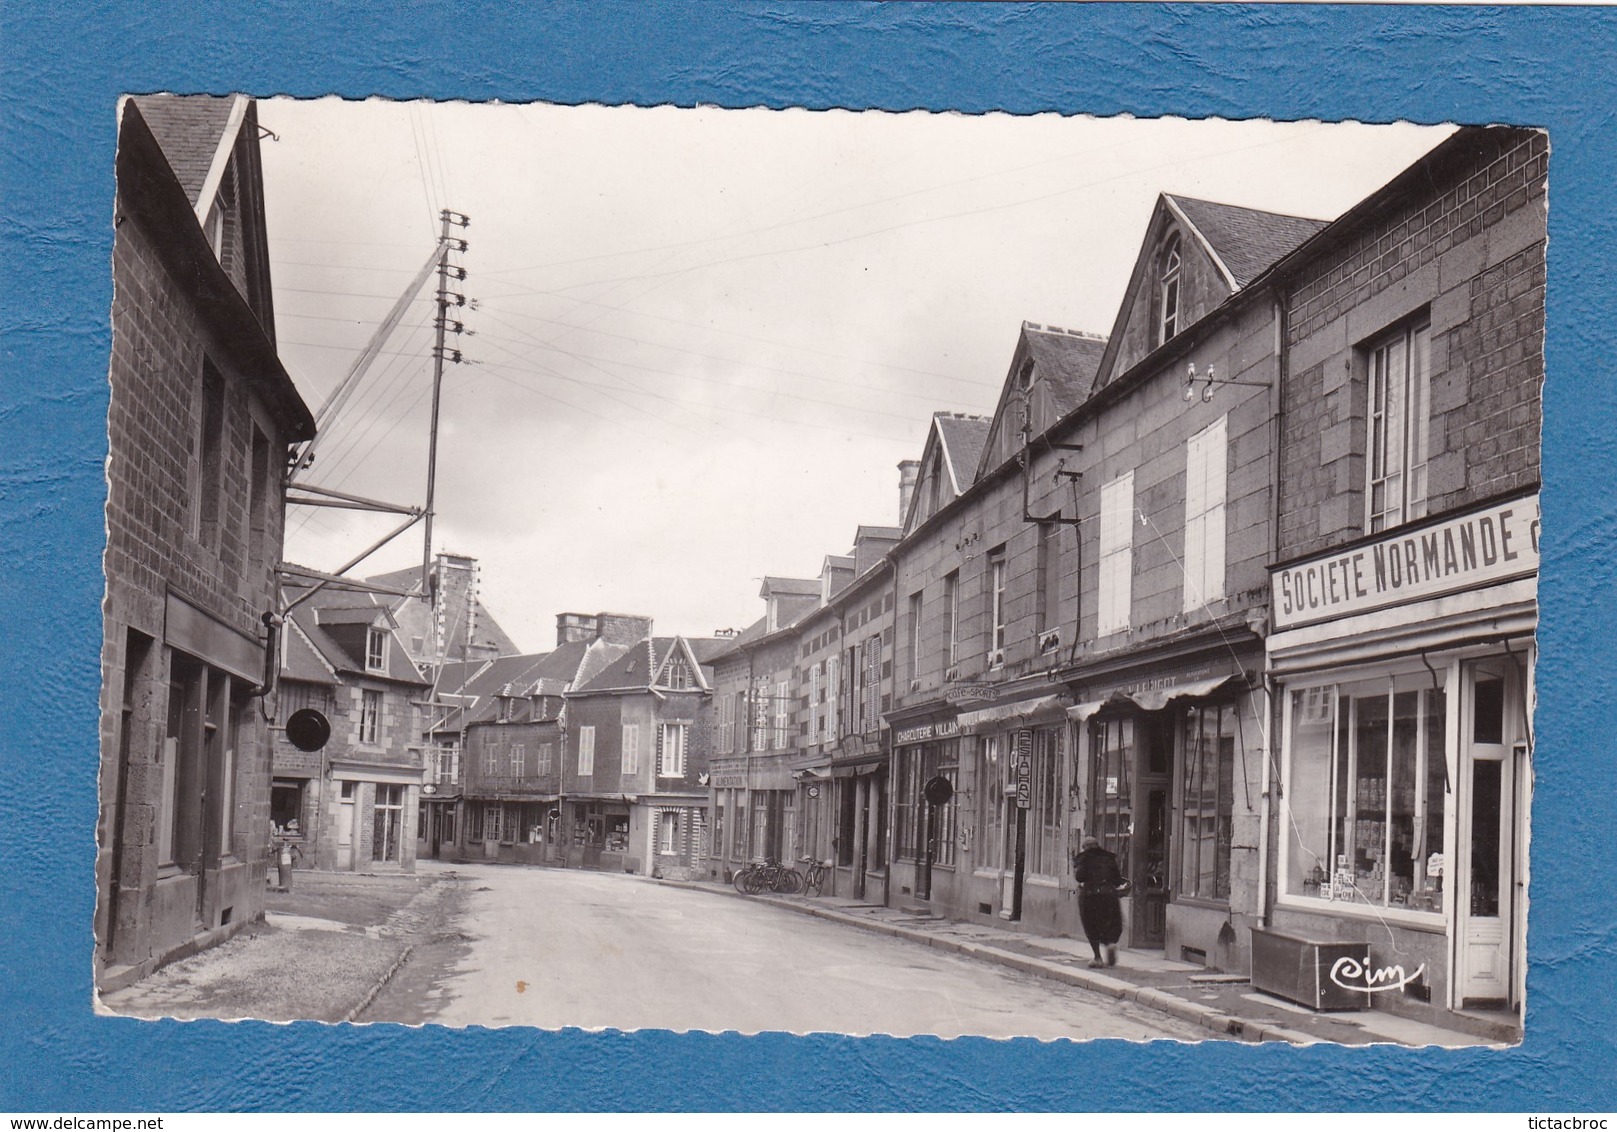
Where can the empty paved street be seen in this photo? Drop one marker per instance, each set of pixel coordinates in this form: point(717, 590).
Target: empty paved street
point(554, 948)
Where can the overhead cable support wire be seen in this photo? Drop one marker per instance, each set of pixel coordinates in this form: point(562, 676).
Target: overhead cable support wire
point(932, 398)
point(704, 408)
point(345, 387)
point(728, 386)
point(393, 377)
point(491, 299)
point(821, 245)
point(875, 202)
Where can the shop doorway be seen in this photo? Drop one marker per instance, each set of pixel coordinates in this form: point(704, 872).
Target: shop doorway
point(346, 815)
point(1490, 873)
point(1153, 850)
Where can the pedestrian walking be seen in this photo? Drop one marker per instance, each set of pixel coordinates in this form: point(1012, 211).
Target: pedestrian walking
point(1100, 883)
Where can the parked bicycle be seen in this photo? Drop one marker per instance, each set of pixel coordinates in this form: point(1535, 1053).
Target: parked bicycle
point(768, 875)
point(814, 875)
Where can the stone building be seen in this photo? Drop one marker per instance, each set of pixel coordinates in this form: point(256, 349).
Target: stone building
point(843, 680)
point(512, 726)
point(1405, 572)
point(200, 419)
point(755, 692)
point(357, 800)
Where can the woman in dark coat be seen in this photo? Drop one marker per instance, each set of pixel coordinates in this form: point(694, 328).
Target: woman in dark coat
point(1099, 880)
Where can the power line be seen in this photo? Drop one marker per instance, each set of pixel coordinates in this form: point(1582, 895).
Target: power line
point(736, 334)
point(704, 378)
point(918, 221)
point(919, 395)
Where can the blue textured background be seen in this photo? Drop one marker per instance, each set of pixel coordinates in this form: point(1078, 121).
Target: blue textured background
point(63, 68)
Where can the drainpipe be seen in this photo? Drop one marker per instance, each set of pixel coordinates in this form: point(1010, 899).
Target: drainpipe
point(1272, 787)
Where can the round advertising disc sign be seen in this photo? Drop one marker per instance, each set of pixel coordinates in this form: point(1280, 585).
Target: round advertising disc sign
point(938, 790)
point(307, 729)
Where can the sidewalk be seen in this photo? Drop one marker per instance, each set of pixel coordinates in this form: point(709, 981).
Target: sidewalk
point(321, 953)
point(1226, 1005)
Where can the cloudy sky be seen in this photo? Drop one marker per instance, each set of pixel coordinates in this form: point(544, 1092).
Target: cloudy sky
point(703, 339)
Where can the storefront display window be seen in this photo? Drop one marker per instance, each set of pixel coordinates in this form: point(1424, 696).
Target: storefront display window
point(918, 765)
point(1044, 808)
point(1366, 793)
point(943, 817)
point(910, 815)
point(992, 767)
point(1110, 789)
point(1208, 801)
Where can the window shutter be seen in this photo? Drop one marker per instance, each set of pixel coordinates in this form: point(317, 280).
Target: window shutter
point(661, 730)
point(832, 693)
point(814, 703)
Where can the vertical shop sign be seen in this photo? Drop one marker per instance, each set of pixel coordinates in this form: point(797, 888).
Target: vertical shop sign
point(1024, 770)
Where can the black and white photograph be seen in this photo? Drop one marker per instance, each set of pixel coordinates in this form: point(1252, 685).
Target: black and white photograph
point(854, 572)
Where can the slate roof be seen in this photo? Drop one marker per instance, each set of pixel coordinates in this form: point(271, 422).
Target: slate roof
point(454, 675)
point(1066, 361)
point(486, 632)
point(1247, 240)
point(866, 531)
point(635, 669)
point(189, 128)
point(800, 586)
point(300, 661)
point(706, 648)
point(339, 608)
point(759, 628)
point(963, 437)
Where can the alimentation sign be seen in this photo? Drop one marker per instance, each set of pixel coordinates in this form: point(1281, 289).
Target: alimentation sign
point(1459, 552)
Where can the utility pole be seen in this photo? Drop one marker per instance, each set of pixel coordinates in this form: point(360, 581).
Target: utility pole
point(442, 326)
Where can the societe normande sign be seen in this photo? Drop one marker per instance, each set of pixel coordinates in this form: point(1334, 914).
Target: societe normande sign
point(1460, 552)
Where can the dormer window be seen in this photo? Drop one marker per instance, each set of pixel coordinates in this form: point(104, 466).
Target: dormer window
point(376, 650)
point(1168, 293)
point(678, 674)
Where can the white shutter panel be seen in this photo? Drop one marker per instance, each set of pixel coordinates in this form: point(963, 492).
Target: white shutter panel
point(1216, 462)
point(814, 704)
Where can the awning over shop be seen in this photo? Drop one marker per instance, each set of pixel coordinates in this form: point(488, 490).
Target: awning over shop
point(1021, 712)
point(1155, 699)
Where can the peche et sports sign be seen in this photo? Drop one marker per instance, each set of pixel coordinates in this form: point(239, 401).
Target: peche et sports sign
point(1458, 552)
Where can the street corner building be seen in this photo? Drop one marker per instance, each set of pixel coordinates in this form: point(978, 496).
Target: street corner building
point(200, 419)
point(639, 736)
point(1244, 588)
point(352, 805)
point(1404, 591)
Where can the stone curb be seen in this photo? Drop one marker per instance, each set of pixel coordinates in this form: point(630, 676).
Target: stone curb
point(404, 956)
point(387, 977)
point(1211, 1018)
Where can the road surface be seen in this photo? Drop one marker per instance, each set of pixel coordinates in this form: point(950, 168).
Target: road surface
point(554, 948)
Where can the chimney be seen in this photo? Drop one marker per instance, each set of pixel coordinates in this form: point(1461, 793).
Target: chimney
point(572, 627)
point(622, 628)
point(909, 471)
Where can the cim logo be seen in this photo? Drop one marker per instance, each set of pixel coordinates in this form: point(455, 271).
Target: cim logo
point(1351, 974)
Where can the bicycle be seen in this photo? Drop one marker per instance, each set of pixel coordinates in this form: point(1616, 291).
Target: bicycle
point(814, 876)
point(771, 876)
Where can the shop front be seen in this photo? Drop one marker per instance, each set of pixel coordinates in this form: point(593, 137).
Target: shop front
point(596, 833)
point(926, 780)
point(1170, 779)
point(858, 797)
point(1017, 811)
point(1404, 672)
point(754, 800)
